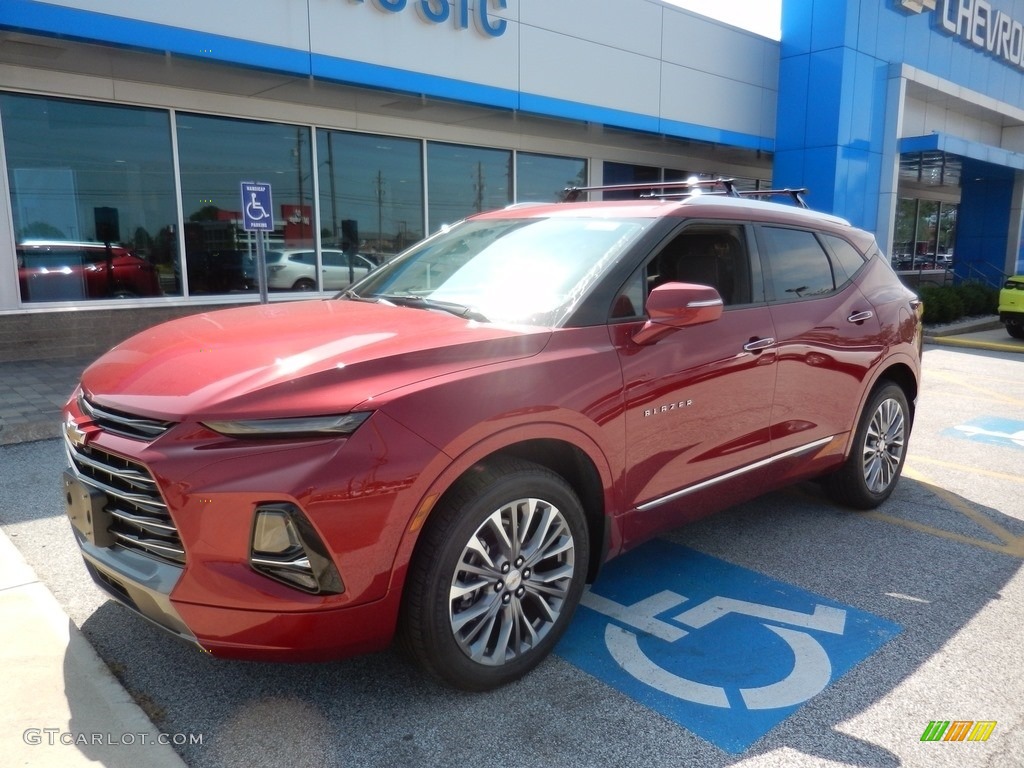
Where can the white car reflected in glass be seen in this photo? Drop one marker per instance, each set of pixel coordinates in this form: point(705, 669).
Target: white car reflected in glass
point(295, 270)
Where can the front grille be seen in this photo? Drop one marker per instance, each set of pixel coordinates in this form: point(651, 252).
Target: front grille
point(121, 423)
point(141, 521)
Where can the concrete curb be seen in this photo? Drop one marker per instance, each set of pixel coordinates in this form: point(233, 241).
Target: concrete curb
point(64, 706)
point(967, 326)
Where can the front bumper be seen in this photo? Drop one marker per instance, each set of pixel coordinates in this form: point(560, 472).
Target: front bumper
point(144, 585)
point(207, 592)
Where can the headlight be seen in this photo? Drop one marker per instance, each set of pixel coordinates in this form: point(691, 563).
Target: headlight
point(306, 426)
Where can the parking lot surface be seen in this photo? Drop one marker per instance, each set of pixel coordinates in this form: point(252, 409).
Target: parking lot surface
point(783, 632)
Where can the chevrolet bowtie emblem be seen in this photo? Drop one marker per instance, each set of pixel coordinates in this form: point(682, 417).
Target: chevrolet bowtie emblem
point(75, 435)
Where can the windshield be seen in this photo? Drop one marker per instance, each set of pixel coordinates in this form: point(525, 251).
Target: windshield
point(527, 271)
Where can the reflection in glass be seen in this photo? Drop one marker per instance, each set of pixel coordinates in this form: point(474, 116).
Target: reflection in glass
point(532, 271)
point(92, 193)
point(799, 267)
point(371, 193)
point(216, 155)
point(466, 180)
point(925, 234)
point(544, 178)
point(623, 173)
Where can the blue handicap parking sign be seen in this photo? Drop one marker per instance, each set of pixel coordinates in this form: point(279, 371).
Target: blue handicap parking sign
point(257, 208)
point(723, 651)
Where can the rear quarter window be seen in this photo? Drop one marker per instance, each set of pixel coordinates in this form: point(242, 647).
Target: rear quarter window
point(846, 259)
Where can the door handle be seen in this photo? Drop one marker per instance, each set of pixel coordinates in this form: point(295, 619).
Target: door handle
point(757, 345)
point(859, 317)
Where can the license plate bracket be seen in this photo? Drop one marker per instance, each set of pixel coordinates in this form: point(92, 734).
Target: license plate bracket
point(86, 509)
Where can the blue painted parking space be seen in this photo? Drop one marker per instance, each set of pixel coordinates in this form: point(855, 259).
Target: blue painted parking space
point(991, 430)
point(725, 652)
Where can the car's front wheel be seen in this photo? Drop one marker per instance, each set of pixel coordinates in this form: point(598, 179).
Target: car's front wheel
point(496, 576)
point(1016, 331)
point(879, 449)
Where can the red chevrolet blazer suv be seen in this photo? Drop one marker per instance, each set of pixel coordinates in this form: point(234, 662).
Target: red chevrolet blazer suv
point(447, 452)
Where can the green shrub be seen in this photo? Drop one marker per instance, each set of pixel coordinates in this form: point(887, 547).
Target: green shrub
point(942, 304)
point(978, 299)
point(948, 303)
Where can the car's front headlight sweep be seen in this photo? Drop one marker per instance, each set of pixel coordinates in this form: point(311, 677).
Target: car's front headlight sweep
point(341, 425)
point(284, 545)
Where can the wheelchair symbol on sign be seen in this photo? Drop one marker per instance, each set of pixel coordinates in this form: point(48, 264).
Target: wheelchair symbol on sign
point(254, 209)
point(811, 672)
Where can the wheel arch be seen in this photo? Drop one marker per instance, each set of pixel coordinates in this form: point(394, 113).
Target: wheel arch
point(574, 466)
point(561, 451)
point(903, 375)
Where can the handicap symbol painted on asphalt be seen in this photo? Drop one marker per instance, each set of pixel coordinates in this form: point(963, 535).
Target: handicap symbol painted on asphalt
point(723, 651)
point(991, 430)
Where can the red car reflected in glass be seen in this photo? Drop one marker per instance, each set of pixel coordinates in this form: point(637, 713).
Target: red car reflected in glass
point(69, 271)
point(447, 452)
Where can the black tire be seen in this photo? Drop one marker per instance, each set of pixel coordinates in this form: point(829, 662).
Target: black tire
point(528, 586)
point(878, 451)
point(304, 284)
point(1016, 331)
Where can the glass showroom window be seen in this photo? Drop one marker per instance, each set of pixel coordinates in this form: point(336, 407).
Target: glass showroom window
point(463, 180)
point(924, 235)
point(371, 194)
point(543, 178)
point(92, 193)
point(215, 155)
point(622, 173)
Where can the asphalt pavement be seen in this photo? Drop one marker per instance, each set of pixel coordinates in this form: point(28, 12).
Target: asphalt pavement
point(63, 705)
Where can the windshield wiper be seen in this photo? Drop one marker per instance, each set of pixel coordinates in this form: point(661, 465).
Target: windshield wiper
point(459, 310)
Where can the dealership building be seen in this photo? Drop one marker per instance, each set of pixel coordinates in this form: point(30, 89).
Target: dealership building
point(128, 129)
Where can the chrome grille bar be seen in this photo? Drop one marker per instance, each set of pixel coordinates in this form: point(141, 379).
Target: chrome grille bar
point(123, 424)
point(141, 520)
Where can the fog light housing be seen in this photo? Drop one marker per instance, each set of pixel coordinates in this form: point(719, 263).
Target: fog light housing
point(285, 547)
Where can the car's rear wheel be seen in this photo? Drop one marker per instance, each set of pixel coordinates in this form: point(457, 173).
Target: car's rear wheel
point(1016, 331)
point(879, 449)
point(496, 576)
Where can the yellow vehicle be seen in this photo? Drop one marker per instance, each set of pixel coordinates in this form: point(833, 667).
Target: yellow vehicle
point(1011, 306)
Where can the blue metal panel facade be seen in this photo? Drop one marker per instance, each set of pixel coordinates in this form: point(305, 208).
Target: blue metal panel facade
point(835, 117)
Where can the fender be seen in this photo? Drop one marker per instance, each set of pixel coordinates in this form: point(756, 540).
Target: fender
point(895, 358)
point(494, 443)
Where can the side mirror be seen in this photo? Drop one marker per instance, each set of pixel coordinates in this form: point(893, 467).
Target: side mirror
point(678, 305)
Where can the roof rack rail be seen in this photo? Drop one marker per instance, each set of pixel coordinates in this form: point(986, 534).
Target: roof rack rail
point(572, 194)
point(688, 188)
point(796, 193)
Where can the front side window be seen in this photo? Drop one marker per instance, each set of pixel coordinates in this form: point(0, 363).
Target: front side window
point(92, 193)
point(712, 255)
point(514, 270)
point(798, 268)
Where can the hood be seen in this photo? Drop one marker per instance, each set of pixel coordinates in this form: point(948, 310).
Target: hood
point(293, 359)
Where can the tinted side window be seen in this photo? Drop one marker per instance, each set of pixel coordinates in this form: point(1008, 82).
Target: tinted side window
point(846, 259)
point(797, 264)
point(703, 254)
